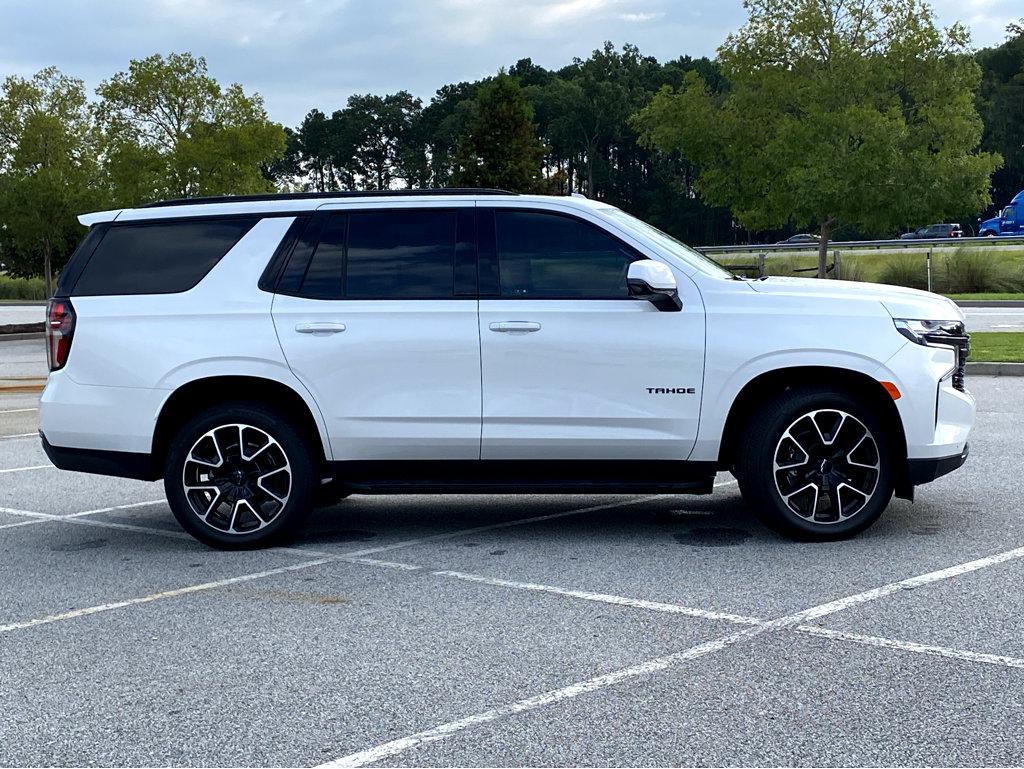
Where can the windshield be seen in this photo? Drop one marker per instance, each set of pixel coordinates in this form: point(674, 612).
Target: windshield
point(670, 244)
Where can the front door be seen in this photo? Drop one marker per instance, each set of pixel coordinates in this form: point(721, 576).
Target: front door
point(1010, 223)
point(573, 367)
point(381, 326)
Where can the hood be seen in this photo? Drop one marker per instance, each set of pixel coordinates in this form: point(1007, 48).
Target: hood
point(900, 302)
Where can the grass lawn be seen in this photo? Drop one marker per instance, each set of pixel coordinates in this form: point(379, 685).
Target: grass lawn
point(997, 346)
point(986, 297)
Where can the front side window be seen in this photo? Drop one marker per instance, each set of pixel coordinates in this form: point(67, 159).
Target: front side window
point(399, 254)
point(548, 256)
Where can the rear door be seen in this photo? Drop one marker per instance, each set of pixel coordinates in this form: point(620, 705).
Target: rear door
point(573, 367)
point(377, 316)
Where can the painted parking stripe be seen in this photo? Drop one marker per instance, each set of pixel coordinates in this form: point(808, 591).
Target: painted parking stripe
point(340, 557)
point(916, 648)
point(672, 661)
point(17, 411)
point(615, 600)
point(206, 586)
point(23, 469)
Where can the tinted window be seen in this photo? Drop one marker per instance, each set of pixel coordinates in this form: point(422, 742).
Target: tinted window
point(327, 267)
point(550, 256)
point(159, 258)
point(400, 255)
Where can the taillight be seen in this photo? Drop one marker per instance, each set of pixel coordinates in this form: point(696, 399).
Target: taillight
point(60, 328)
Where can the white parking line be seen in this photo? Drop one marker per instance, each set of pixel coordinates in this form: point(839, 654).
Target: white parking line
point(356, 556)
point(159, 596)
point(23, 469)
point(910, 646)
point(30, 513)
point(650, 667)
point(18, 435)
point(738, 619)
point(616, 600)
point(17, 411)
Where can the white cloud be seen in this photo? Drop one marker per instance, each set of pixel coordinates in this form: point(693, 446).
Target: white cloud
point(304, 53)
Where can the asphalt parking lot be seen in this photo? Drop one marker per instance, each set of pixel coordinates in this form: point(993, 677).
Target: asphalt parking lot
point(660, 630)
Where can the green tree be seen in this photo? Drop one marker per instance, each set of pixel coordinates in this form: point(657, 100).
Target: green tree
point(1001, 104)
point(172, 131)
point(387, 146)
point(858, 112)
point(48, 171)
point(501, 148)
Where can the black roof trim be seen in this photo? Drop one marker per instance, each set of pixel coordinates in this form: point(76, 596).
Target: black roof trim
point(274, 196)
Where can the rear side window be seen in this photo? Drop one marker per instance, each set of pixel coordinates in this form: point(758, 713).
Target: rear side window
point(398, 254)
point(548, 256)
point(158, 258)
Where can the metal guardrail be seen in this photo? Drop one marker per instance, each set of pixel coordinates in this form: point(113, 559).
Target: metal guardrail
point(877, 245)
point(838, 247)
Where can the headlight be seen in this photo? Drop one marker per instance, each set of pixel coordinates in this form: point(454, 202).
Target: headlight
point(940, 333)
point(948, 333)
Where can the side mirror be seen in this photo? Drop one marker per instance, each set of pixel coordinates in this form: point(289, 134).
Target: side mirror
point(654, 282)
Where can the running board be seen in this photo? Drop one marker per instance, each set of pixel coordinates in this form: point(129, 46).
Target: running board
point(524, 477)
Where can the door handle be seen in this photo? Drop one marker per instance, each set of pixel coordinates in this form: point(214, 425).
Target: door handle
point(320, 329)
point(515, 326)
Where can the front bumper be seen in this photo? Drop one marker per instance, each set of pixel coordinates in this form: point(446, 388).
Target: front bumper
point(927, 470)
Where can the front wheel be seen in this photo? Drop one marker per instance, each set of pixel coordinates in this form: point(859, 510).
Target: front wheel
point(816, 465)
point(239, 476)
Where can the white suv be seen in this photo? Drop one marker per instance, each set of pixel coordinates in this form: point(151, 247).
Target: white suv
point(264, 354)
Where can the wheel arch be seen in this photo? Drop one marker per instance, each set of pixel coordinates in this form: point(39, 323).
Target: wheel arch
point(198, 394)
point(771, 383)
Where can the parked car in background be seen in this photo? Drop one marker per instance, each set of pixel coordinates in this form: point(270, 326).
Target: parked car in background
point(1009, 222)
point(804, 237)
point(934, 231)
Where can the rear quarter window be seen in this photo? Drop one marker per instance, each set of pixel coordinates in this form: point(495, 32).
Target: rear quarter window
point(158, 257)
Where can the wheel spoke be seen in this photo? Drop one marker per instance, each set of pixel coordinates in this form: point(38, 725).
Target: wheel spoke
point(788, 435)
point(814, 507)
point(213, 504)
point(835, 434)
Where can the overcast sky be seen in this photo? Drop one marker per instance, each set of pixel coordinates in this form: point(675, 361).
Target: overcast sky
point(304, 53)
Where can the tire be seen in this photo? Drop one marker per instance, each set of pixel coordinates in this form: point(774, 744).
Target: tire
point(815, 464)
point(265, 490)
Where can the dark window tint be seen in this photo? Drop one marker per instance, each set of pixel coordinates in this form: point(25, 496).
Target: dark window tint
point(158, 258)
point(400, 255)
point(324, 276)
point(549, 256)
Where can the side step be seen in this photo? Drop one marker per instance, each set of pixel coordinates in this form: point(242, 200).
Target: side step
point(525, 477)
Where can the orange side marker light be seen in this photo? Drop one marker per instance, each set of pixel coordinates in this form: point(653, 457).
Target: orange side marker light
point(892, 389)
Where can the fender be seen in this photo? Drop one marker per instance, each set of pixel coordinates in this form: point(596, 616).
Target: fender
point(719, 398)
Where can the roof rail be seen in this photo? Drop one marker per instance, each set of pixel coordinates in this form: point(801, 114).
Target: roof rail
point(272, 196)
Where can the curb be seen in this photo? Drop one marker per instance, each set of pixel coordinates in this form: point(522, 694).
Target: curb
point(21, 328)
point(22, 337)
point(989, 302)
point(995, 369)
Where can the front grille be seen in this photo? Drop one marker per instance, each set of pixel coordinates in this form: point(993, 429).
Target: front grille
point(954, 335)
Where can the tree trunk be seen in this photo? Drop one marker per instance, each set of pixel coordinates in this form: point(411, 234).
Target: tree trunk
point(826, 234)
point(47, 271)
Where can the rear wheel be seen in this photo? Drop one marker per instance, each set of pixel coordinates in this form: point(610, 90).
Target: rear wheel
point(239, 476)
point(816, 464)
